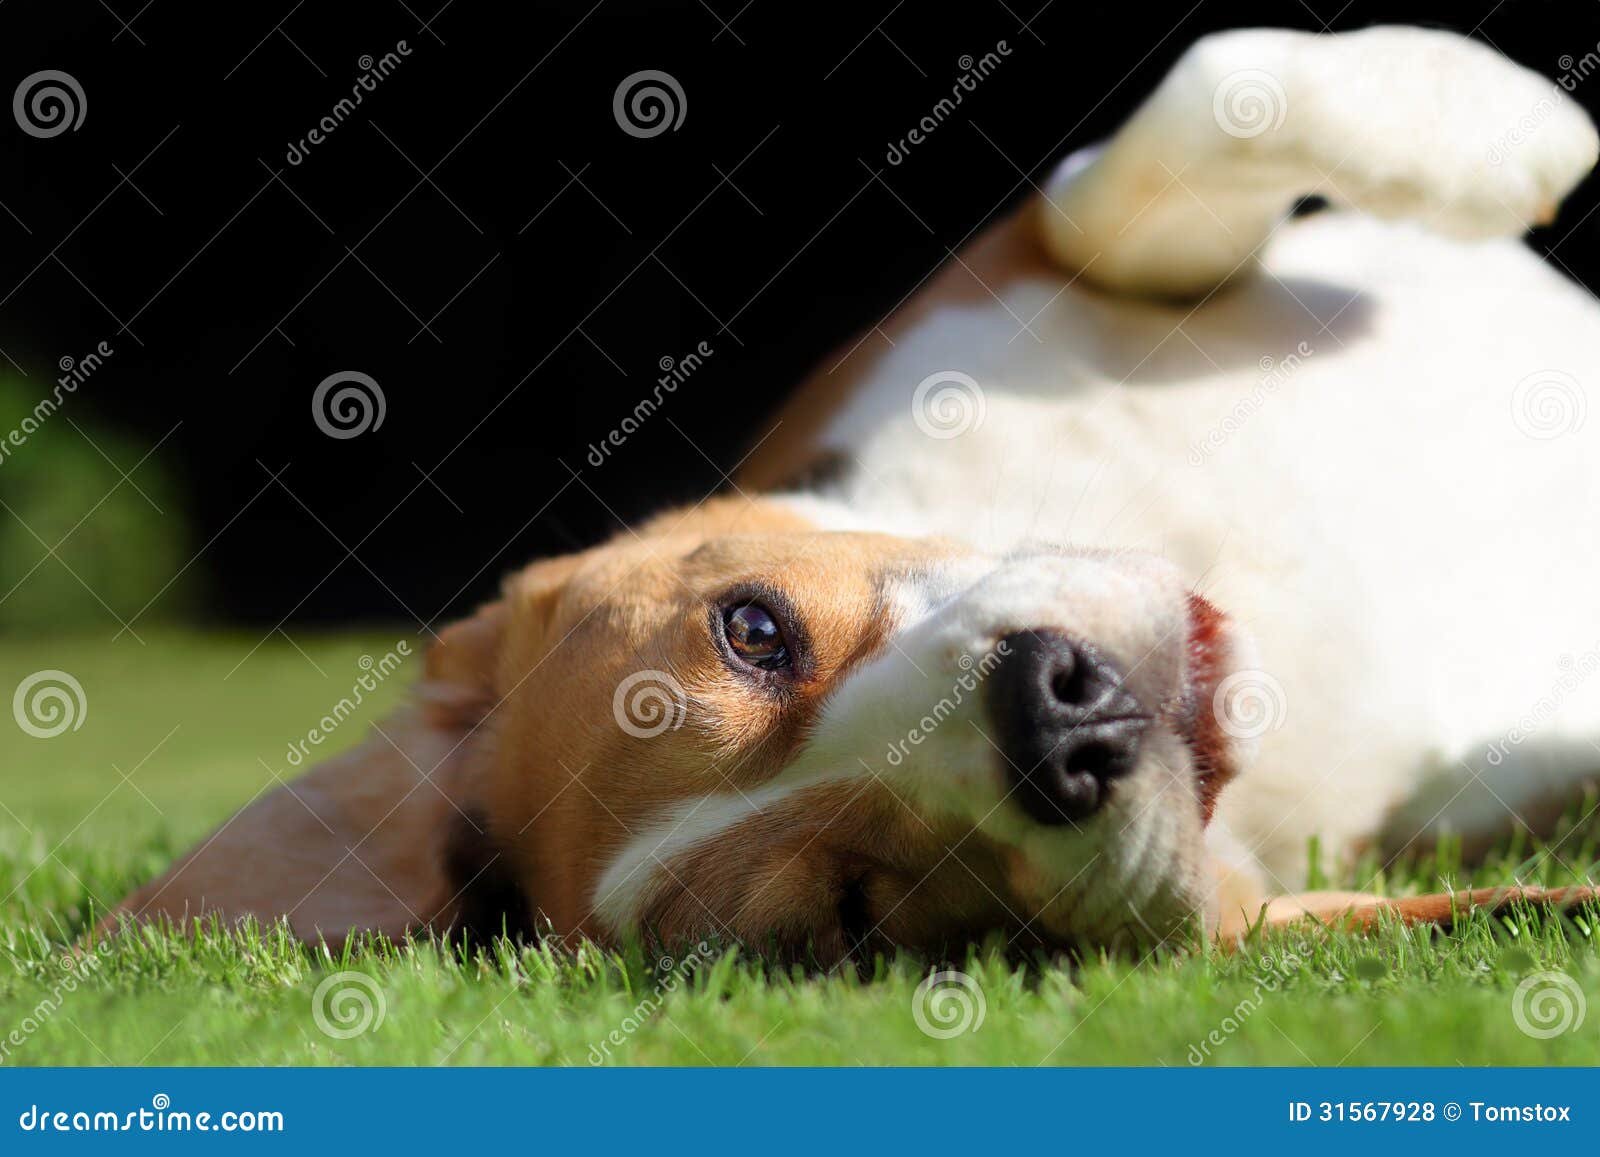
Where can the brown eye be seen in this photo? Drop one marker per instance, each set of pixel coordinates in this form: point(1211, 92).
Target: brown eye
point(754, 636)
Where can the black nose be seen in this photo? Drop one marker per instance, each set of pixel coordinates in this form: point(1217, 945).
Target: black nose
point(1066, 724)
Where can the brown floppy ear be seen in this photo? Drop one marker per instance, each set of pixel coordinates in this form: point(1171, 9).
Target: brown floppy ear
point(366, 841)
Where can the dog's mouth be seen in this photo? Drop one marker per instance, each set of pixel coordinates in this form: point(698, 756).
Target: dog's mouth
point(1194, 714)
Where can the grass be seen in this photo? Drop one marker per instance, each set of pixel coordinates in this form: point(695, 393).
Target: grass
point(180, 731)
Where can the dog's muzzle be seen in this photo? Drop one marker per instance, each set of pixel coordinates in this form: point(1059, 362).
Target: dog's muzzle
point(1067, 725)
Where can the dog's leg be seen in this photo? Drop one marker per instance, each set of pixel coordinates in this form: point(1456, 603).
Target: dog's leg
point(1322, 906)
point(1238, 919)
point(1399, 122)
point(1354, 912)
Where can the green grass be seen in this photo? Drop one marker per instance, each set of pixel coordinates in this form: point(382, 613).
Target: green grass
point(195, 732)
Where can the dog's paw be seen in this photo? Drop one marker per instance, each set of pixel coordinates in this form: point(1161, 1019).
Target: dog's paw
point(1398, 122)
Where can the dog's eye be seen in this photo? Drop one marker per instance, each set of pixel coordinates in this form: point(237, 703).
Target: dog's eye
point(754, 636)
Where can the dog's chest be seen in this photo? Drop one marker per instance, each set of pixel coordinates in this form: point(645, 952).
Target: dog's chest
point(1369, 454)
point(1374, 379)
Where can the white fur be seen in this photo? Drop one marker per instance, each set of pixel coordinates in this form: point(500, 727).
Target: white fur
point(1413, 563)
point(1399, 122)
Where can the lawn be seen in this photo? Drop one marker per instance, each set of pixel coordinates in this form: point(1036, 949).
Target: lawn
point(181, 730)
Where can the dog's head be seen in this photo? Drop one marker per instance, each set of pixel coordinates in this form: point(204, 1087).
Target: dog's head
point(741, 721)
point(738, 721)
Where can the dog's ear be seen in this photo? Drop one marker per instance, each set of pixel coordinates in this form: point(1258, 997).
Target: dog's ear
point(459, 687)
point(377, 839)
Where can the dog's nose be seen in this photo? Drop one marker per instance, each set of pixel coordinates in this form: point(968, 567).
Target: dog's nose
point(1066, 724)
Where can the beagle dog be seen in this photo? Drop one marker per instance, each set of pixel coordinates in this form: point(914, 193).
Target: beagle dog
point(1162, 530)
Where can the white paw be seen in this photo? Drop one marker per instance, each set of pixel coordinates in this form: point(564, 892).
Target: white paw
point(1399, 122)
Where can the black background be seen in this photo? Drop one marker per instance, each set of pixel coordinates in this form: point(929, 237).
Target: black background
point(486, 190)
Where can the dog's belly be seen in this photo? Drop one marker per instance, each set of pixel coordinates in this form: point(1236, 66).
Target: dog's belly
point(1374, 457)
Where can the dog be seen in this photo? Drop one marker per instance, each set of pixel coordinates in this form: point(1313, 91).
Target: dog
point(1164, 529)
